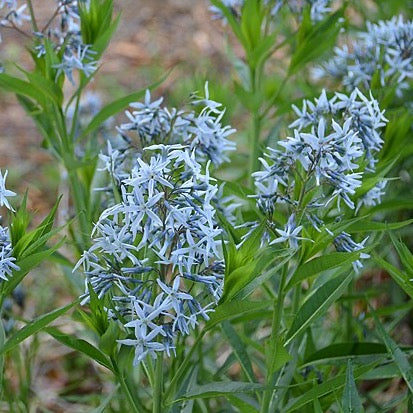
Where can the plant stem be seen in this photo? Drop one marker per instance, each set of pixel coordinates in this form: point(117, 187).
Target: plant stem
point(80, 205)
point(275, 332)
point(183, 366)
point(349, 314)
point(254, 147)
point(125, 389)
point(254, 143)
point(32, 16)
point(158, 387)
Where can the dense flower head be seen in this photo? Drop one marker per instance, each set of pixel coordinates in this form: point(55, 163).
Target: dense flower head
point(385, 48)
point(203, 131)
point(156, 254)
point(332, 142)
point(318, 8)
point(362, 117)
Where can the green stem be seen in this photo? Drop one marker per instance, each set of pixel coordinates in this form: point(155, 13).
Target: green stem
point(81, 210)
point(183, 366)
point(254, 147)
point(273, 100)
point(32, 16)
point(349, 315)
point(275, 332)
point(296, 299)
point(158, 387)
point(125, 389)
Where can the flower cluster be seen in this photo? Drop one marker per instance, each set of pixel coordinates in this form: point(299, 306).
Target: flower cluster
point(67, 37)
point(151, 123)
point(385, 49)
point(62, 30)
point(332, 141)
point(363, 115)
point(7, 260)
point(155, 255)
point(317, 8)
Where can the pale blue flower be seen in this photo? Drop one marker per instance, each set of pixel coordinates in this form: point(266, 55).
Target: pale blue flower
point(384, 48)
point(344, 243)
point(4, 192)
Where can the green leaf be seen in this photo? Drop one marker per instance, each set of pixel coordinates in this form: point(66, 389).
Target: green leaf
point(21, 87)
point(34, 326)
point(220, 388)
point(260, 279)
point(317, 304)
point(401, 278)
point(26, 265)
point(102, 408)
point(386, 371)
point(396, 353)
point(51, 91)
point(393, 205)
point(324, 388)
point(243, 404)
point(29, 242)
point(406, 257)
point(232, 22)
point(323, 263)
point(351, 399)
point(245, 264)
point(108, 341)
point(251, 19)
point(239, 350)
point(19, 223)
point(340, 351)
point(79, 345)
point(378, 226)
point(188, 384)
point(97, 318)
point(277, 355)
point(321, 38)
point(234, 309)
point(317, 406)
point(324, 239)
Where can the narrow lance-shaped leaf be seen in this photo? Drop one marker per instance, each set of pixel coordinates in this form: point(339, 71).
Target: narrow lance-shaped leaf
point(325, 388)
point(239, 350)
point(320, 264)
point(340, 351)
point(398, 355)
point(80, 345)
point(351, 399)
point(401, 278)
point(317, 304)
point(221, 388)
point(234, 309)
point(34, 327)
